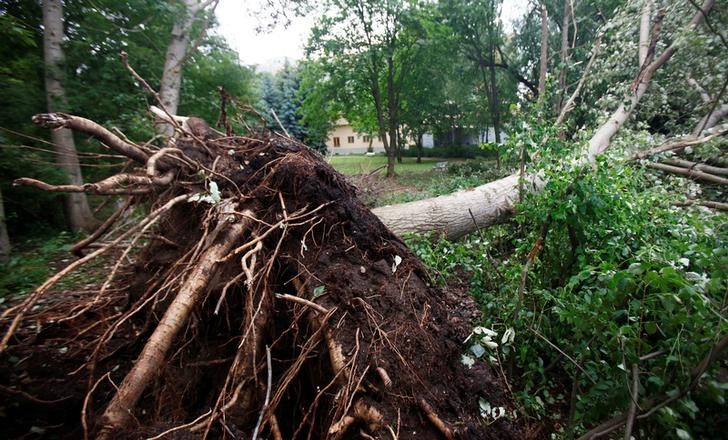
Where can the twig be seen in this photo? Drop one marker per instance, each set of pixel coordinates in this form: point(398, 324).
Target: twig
point(572, 99)
point(576, 364)
point(482, 237)
point(299, 300)
point(273, 112)
point(679, 144)
point(652, 407)
point(689, 172)
point(180, 427)
point(267, 393)
point(707, 203)
point(633, 404)
point(79, 246)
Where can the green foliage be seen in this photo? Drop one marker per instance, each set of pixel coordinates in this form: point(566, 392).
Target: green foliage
point(623, 274)
point(98, 87)
point(32, 265)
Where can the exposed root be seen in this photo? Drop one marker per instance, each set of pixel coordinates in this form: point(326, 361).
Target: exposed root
point(219, 322)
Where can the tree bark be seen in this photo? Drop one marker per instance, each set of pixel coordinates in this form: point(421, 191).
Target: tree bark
point(564, 55)
point(493, 202)
point(543, 61)
point(174, 59)
point(78, 213)
point(711, 120)
point(4, 238)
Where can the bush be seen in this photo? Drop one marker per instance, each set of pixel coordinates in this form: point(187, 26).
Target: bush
point(459, 151)
point(622, 274)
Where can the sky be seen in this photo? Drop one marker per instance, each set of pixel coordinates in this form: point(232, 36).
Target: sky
point(269, 49)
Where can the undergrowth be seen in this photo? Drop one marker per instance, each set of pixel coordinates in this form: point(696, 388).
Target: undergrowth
point(32, 262)
point(624, 278)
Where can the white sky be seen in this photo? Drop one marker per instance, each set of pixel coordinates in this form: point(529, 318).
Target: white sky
point(267, 50)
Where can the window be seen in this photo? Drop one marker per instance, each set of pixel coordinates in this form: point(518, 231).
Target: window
point(350, 139)
point(337, 142)
point(367, 138)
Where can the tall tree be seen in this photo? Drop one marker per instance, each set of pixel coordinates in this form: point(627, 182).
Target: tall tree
point(477, 26)
point(78, 213)
point(365, 36)
point(565, 22)
point(544, 58)
point(177, 54)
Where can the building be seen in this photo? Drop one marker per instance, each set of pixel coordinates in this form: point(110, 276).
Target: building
point(344, 140)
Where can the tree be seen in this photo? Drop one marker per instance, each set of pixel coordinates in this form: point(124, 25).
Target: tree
point(78, 212)
point(177, 54)
point(544, 58)
point(365, 37)
point(478, 28)
point(449, 215)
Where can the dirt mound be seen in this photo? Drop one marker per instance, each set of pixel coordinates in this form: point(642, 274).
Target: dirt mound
point(264, 299)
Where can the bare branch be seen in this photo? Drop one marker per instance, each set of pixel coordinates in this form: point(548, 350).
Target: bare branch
point(83, 125)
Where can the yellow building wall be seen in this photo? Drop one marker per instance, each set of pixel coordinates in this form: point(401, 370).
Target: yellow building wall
point(351, 142)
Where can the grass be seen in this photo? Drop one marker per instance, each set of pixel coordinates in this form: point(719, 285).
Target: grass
point(360, 164)
point(414, 181)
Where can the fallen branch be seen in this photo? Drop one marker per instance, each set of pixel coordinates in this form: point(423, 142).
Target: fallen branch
point(650, 407)
point(707, 203)
point(693, 173)
point(697, 166)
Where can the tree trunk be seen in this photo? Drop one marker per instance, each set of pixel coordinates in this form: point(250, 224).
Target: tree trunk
point(564, 55)
point(543, 62)
point(494, 106)
point(448, 215)
point(4, 239)
point(174, 60)
point(493, 202)
point(418, 145)
point(78, 213)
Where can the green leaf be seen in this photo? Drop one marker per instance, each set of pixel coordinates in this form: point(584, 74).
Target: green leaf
point(318, 291)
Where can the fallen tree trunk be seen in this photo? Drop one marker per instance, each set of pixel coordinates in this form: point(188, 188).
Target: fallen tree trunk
point(264, 299)
point(493, 203)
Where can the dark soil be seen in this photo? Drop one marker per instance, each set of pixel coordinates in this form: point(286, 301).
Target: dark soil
point(342, 259)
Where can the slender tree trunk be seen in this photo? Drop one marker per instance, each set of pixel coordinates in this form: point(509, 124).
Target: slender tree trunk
point(644, 43)
point(494, 106)
point(564, 55)
point(174, 59)
point(392, 109)
point(78, 213)
point(418, 145)
point(543, 61)
point(4, 238)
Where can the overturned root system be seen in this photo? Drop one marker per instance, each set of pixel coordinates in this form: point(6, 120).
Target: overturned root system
point(259, 298)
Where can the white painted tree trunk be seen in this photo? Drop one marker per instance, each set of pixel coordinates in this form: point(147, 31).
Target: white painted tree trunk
point(78, 213)
point(493, 202)
point(4, 238)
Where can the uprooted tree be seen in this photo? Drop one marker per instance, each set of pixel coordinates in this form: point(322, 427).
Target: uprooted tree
point(460, 213)
point(258, 296)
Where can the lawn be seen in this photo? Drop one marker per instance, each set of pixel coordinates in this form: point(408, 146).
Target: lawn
point(360, 164)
